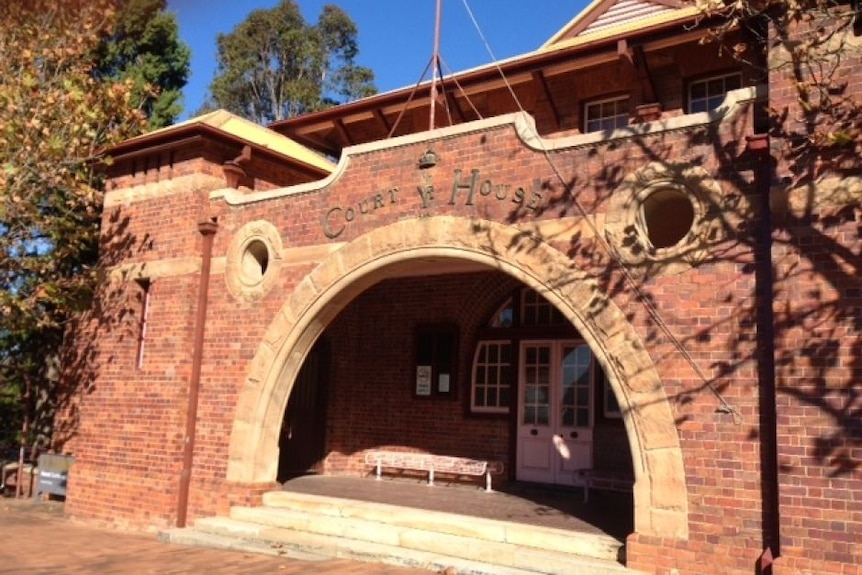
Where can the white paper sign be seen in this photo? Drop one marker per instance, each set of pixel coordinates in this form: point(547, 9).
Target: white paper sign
point(443, 383)
point(423, 380)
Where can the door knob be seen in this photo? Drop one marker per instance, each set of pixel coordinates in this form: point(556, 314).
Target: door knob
point(534, 432)
point(573, 435)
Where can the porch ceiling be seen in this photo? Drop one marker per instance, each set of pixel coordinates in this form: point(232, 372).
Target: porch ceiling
point(427, 266)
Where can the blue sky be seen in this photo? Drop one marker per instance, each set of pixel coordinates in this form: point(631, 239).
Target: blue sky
point(396, 37)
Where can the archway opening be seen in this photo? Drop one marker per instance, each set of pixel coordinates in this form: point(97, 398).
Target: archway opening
point(469, 364)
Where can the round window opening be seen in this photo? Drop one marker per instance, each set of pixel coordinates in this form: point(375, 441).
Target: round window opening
point(668, 216)
point(255, 261)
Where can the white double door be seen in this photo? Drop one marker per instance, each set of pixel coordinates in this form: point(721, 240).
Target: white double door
point(555, 420)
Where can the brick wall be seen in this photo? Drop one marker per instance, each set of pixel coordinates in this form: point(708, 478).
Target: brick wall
point(372, 400)
point(698, 324)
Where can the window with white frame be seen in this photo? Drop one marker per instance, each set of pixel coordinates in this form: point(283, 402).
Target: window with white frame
point(606, 114)
point(492, 377)
point(708, 93)
point(493, 370)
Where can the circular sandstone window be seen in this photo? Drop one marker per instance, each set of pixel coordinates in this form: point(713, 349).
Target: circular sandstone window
point(667, 216)
point(664, 218)
point(255, 261)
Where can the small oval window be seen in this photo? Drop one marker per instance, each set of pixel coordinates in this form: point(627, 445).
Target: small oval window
point(255, 261)
point(668, 216)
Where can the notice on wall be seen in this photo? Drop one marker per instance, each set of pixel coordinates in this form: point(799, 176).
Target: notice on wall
point(443, 383)
point(423, 380)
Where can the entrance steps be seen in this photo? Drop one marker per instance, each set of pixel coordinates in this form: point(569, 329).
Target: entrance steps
point(315, 526)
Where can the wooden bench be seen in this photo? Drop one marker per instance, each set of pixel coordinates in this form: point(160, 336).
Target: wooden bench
point(9, 477)
point(604, 479)
point(431, 463)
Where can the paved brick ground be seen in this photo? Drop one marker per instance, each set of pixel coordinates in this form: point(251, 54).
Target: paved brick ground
point(38, 539)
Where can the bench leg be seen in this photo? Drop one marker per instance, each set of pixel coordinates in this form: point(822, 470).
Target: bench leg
point(379, 471)
point(430, 477)
point(488, 482)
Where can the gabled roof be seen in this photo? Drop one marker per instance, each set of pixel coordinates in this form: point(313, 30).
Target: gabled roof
point(222, 123)
point(603, 18)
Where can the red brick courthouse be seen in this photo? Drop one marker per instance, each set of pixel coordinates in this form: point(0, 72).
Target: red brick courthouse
point(598, 259)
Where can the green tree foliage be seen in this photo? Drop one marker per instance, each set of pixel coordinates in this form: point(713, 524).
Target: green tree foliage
point(144, 46)
point(274, 66)
point(56, 116)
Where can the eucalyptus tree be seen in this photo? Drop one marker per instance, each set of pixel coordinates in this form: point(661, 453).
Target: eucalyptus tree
point(274, 65)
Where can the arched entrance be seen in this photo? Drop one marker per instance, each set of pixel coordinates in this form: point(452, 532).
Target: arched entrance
point(660, 492)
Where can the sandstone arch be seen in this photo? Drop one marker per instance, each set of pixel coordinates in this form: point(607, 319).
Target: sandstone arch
point(660, 488)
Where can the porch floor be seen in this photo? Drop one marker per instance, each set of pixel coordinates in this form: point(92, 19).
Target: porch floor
point(548, 506)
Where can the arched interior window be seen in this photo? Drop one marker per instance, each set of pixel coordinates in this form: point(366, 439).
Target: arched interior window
point(504, 316)
point(537, 311)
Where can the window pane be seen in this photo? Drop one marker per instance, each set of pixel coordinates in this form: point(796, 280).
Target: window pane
point(714, 102)
point(607, 115)
point(568, 417)
point(583, 418)
point(503, 316)
point(714, 87)
point(481, 375)
point(583, 355)
point(542, 415)
point(479, 400)
point(545, 356)
point(583, 396)
point(733, 82)
point(543, 395)
point(708, 94)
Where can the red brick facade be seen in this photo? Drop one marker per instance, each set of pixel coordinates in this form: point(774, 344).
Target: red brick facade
point(383, 247)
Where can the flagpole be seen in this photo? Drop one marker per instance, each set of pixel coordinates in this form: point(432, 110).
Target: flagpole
point(435, 58)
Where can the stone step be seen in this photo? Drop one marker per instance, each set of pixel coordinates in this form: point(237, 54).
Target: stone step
point(394, 525)
point(430, 550)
